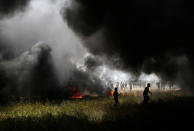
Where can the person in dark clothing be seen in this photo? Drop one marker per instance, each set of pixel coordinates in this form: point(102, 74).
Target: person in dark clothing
point(145, 94)
point(116, 94)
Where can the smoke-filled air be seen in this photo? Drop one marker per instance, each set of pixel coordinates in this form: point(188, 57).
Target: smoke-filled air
point(96, 64)
point(42, 53)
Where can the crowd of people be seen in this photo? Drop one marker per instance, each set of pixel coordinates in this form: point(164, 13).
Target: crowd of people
point(130, 85)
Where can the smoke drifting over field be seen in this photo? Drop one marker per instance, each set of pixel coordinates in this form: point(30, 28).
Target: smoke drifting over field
point(32, 68)
point(149, 36)
point(89, 43)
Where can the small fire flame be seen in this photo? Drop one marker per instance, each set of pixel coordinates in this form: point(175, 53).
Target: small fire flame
point(111, 93)
point(76, 93)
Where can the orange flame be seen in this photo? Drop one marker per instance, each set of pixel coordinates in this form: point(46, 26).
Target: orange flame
point(111, 93)
point(76, 93)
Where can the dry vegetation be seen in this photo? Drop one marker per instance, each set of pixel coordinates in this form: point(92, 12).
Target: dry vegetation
point(98, 113)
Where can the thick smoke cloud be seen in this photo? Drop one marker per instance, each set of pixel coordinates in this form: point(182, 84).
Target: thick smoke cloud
point(30, 74)
point(86, 82)
point(92, 63)
point(43, 70)
point(33, 74)
point(5, 52)
point(8, 7)
point(98, 67)
point(149, 36)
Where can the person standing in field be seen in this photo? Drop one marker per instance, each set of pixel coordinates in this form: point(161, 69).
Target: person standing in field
point(116, 94)
point(146, 94)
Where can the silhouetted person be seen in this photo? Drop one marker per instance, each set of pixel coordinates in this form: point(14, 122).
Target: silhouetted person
point(116, 94)
point(146, 93)
point(125, 84)
point(130, 86)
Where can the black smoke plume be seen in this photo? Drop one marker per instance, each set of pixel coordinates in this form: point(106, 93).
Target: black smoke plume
point(92, 63)
point(86, 82)
point(42, 70)
point(33, 74)
point(8, 7)
point(149, 36)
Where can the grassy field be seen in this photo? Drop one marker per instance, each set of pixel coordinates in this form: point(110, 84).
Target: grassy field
point(165, 111)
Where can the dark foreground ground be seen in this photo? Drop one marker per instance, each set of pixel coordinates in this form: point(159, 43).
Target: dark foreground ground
point(99, 114)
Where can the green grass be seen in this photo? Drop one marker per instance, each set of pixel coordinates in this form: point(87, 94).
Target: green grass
point(94, 113)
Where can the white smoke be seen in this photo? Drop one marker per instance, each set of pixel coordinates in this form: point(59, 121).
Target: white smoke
point(150, 77)
point(42, 21)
